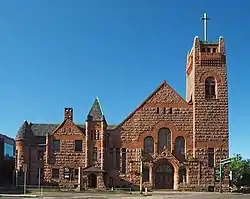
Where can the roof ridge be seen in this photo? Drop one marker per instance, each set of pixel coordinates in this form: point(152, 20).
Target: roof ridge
point(164, 83)
point(97, 98)
point(143, 102)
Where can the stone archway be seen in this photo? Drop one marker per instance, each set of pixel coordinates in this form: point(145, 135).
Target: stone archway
point(164, 176)
point(92, 181)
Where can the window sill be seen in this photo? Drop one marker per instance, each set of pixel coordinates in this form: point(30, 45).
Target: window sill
point(210, 97)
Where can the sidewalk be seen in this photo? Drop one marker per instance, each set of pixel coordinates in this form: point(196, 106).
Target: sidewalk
point(19, 195)
point(154, 194)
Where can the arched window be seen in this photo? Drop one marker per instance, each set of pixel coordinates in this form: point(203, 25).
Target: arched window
point(164, 139)
point(180, 148)
point(210, 90)
point(149, 144)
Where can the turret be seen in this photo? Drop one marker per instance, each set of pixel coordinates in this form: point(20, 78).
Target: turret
point(95, 132)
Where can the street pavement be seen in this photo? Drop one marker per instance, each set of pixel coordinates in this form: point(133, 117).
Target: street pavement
point(174, 195)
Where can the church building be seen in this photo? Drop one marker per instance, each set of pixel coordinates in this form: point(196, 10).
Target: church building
point(178, 141)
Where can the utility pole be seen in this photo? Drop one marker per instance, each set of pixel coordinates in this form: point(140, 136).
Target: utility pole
point(220, 177)
point(141, 163)
point(16, 178)
point(39, 178)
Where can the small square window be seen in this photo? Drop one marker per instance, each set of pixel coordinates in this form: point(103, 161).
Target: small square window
point(78, 145)
point(55, 173)
point(56, 145)
point(203, 50)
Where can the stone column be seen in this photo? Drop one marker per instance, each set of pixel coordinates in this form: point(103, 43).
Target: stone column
point(102, 151)
point(155, 148)
point(151, 174)
point(79, 176)
point(86, 144)
point(187, 175)
point(100, 181)
point(47, 151)
point(176, 180)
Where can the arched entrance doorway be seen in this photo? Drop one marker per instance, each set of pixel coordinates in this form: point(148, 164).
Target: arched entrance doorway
point(164, 176)
point(92, 180)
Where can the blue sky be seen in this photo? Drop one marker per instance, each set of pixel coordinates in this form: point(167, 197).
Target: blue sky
point(56, 54)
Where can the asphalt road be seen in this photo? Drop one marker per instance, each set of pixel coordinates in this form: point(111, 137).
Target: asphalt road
point(153, 196)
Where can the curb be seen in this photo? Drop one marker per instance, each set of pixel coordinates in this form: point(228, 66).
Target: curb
point(19, 195)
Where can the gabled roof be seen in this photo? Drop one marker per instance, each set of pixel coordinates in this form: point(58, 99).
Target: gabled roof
point(43, 129)
point(34, 129)
point(95, 112)
point(178, 98)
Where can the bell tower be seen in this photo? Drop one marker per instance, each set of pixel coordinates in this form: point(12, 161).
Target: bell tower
point(207, 90)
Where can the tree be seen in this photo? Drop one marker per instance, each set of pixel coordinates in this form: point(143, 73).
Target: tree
point(241, 171)
point(246, 174)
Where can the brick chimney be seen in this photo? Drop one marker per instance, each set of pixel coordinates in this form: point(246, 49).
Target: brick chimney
point(68, 113)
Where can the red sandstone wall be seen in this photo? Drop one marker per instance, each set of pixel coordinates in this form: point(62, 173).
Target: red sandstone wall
point(68, 132)
point(210, 115)
point(147, 121)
